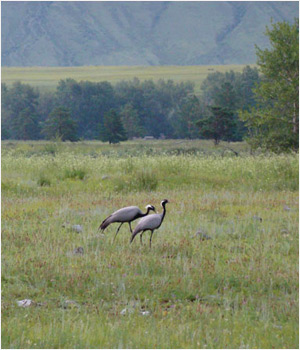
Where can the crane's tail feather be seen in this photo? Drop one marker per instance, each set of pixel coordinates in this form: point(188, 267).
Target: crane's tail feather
point(104, 224)
point(101, 227)
point(133, 235)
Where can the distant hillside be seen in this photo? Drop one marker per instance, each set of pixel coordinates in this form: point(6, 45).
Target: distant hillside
point(136, 33)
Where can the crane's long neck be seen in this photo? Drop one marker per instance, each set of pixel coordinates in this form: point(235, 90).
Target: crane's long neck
point(147, 212)
point(164, 212)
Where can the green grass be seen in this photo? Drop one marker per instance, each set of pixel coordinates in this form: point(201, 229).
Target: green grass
point(47, 78)
point(237, 290)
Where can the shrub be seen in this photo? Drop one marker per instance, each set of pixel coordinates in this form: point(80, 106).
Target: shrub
point(142, 180)
point(145, 181)
point(75, 173)
point(43, 180)
point(50, 149)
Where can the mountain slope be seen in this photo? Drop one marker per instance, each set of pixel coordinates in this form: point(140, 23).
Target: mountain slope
point(136, 33)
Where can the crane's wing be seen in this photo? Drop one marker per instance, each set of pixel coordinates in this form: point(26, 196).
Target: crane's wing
point(126, 214)
point(121, 215)
point(149, 222)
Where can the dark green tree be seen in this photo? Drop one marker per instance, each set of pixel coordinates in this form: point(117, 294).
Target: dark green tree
point(112, 130)
point(131, 121)
point(244, 87)
point(218, 125)
point(46, 103)
point(234, 91)
point(87, 102)
point(27, 125)
point(157, 104)
point(19, 116)
point(59, 124)
point(5, 117)
point(229, 98)
point(190, 112)
point(226, 96)
point(274, 123)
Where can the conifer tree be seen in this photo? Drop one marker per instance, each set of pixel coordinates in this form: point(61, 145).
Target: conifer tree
point(218, 125)
point(112, 130)
point(59, 124)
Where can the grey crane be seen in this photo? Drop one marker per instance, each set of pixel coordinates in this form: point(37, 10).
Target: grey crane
point(127, 214)
point(150, 223)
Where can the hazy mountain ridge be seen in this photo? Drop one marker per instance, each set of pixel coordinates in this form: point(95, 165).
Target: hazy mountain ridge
point(136, 33)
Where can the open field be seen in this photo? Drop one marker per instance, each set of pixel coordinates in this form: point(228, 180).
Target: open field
point(238, 289)
point(46, 78)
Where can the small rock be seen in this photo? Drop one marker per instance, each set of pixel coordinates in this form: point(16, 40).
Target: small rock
point(129, 310)
point(97, 235)
point(145, 312)
point(25, 303)
point(78, 251)
point(203, 236)
point(105, 177)
point(70, 304)
point(123, 312)
point(41, 304)
point(77, 228)
point(284, 232)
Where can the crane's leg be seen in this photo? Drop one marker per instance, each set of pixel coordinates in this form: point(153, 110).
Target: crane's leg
point(129, 223)
point(151, 238)
point(141, 235)
point(118, 231)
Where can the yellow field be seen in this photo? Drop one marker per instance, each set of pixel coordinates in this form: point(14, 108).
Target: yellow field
point(46, 78)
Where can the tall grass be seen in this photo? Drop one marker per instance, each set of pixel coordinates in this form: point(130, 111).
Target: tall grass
point(238, 289)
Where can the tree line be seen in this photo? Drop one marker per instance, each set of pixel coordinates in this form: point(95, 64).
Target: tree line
point(86, 110)
point(259, 104)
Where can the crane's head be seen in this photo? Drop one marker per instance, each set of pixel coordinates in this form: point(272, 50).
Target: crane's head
point(164, 202)
point(150, 207)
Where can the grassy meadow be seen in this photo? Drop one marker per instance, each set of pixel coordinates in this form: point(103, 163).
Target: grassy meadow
point(47, 78)
point(238, 289)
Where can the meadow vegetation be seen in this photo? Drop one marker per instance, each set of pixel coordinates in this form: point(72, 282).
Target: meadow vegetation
point(238, 289)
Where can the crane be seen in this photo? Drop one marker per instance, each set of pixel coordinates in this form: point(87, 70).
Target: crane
point(150, 223)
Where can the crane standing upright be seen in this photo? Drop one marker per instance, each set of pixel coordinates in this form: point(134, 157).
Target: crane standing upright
point(150, 223)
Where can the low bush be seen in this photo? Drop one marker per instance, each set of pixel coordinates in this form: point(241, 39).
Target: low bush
point(43, 180)
point(74, 173)
point(142, 180)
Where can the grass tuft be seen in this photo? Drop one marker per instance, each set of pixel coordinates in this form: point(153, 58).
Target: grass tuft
point(75, 173)
point(43, 180)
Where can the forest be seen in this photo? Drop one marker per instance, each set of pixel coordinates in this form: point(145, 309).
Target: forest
point(259, 104)
point(160, 109)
